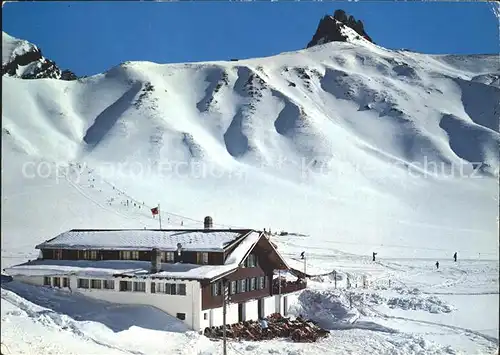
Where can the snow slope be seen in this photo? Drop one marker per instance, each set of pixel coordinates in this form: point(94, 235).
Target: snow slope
point(422, 311)
point(358, 147)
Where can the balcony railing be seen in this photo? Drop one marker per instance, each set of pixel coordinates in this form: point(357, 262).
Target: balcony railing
point(288, 286)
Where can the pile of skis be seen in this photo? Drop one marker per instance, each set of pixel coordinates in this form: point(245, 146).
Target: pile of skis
point(298, 330)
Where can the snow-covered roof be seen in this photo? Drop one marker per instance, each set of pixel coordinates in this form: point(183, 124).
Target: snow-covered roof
point(162, 239)
point(105, 268)
point(238, 254)
point(285, 274)
point(144, 239)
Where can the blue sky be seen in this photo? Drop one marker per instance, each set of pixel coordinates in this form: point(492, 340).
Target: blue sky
point(91, 37)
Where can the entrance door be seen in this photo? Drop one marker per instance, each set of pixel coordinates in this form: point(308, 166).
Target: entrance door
point(240, 312)
point(260, 308)
point(285, 305)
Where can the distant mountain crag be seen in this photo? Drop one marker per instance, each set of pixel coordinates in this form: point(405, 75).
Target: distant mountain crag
point(24, 60)
point(330, 29)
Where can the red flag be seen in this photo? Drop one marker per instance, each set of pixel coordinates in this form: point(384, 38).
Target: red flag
point(154, 210)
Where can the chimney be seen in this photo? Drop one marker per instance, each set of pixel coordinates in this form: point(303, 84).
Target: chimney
point(208, 222)
point(155, 261)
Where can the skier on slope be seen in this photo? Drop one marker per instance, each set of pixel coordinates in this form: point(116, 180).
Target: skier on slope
point(373, 256)
point(437, 264)
point(455, 256)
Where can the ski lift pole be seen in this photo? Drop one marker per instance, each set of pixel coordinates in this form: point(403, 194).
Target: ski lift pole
point(279, 290)
point(225, 297)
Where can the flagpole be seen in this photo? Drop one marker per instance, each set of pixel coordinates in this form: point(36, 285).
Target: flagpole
point(159, 214)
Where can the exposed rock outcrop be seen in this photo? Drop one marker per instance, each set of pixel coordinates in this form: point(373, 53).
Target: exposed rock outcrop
point(331, 29)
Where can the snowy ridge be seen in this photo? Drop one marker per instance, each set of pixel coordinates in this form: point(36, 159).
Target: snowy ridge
point(22, 59)
point(13, 47)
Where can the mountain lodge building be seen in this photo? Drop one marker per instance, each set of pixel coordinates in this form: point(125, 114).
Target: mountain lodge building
point(179, 271)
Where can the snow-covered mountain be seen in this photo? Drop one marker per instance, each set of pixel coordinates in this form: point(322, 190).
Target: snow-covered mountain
point(355, 147)
point(22, 59)
point(382, 146)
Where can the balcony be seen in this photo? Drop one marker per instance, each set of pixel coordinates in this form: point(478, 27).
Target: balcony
point(288, 286)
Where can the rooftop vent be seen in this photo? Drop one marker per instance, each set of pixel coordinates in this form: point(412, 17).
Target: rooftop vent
point(208, 223)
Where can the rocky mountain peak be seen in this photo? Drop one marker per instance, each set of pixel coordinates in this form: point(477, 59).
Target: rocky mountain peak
point(22, 59)
point(332, 29)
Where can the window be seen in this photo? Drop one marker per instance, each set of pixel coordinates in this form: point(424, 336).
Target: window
point(261, 283)
point(109, 284)
point(247, 284)
point(58, 254)
point(65, 282)
point(216, 289)
point(205, 316)
point(167, 256)
point(251, 261)
point(56, 281)
point(46, 281)
point(232, 289)
point(253, 282)
point(139, 286)
point(129, 255)
point(202, 258)
point(169, 289)
point(83, 254)
point(96, 284)
point(181, 316)
point(242, 286)
point(125, 285)
point(160, 288)
point(83, 283)
point(93, 255)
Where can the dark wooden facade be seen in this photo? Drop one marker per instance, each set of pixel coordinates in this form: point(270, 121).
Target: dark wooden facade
point(188, 257)
point(267, 261)
point(208, 300)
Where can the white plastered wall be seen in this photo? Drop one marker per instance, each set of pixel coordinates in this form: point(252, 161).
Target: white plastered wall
point(190, 304)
